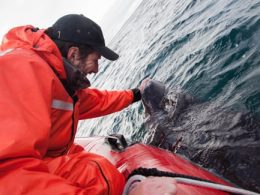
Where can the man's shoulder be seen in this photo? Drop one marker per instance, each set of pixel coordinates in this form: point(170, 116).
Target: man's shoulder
point(23, 59)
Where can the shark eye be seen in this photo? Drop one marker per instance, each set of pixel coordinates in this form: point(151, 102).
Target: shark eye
point(168, 104)
point(167, 101)
point(164, 101)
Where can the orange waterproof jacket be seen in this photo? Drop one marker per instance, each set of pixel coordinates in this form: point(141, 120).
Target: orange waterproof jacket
point(38, 121)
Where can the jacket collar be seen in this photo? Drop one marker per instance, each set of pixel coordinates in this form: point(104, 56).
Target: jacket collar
point(28, 37)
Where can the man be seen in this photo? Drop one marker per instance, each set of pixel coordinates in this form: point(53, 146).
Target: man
point(44, 92)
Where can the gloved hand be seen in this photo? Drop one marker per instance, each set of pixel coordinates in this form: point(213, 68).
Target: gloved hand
point(137, 92)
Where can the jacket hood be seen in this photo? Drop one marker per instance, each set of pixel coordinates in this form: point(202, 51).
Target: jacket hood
point(29, 37)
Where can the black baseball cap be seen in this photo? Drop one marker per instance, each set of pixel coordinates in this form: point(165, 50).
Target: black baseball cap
point(79, 29)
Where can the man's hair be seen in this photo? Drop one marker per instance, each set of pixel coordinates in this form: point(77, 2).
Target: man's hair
point(65, 45)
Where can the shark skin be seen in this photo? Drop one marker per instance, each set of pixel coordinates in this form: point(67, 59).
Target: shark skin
point(162, 108)
point(221, 139)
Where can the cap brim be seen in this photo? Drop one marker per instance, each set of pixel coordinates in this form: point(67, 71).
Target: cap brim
point(107, 53)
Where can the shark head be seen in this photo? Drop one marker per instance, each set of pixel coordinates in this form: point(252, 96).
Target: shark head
point(153, 96)
point(163, 106)
point(157, 98)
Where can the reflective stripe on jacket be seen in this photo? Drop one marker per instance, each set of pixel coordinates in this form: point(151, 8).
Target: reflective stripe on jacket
point(38, 120)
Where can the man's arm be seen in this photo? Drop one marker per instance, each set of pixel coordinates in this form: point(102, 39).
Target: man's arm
point(95, 103)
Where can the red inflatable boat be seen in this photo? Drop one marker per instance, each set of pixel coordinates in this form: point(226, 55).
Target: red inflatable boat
point(191, 178)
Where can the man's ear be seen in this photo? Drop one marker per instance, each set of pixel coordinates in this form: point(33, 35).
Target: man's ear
point(73, 54)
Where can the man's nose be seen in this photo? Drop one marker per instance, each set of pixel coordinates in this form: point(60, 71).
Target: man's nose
point(95, 70)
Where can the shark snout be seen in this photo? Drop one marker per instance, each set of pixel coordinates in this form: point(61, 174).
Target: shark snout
point(153, 96)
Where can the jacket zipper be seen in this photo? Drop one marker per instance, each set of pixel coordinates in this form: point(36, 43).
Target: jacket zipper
point(104, 177)
point(75, 100)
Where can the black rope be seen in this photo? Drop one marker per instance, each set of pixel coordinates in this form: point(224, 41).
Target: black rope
point(157, 173)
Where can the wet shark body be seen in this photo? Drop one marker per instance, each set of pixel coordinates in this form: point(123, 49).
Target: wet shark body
point(228, 142)
point(162, 109)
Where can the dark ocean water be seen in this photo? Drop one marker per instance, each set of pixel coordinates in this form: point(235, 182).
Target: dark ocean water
point(211, 49)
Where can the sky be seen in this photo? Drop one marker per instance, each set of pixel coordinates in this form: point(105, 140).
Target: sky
point(43, 13)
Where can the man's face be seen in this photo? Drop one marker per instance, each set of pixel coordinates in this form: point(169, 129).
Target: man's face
point(89, 64)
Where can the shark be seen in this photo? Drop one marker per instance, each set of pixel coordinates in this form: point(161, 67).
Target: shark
point(223, 140)
point(162, 108)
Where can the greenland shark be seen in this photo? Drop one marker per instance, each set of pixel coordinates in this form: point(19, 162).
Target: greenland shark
point(162, 108)
point(207, 133)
